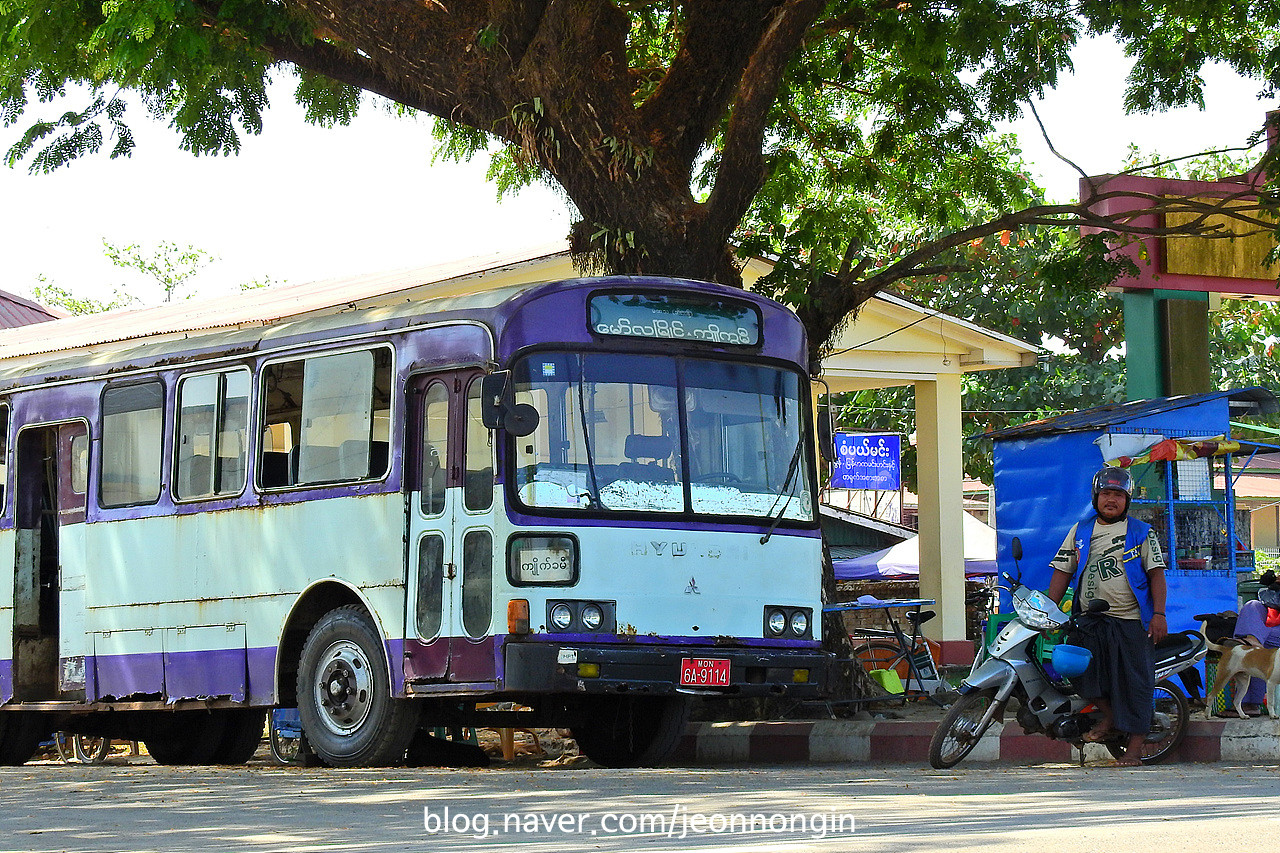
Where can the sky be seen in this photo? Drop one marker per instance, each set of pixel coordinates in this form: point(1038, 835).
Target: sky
point(302, 203)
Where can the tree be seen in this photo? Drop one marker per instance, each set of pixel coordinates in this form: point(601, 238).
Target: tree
point(851, 137)
point(169, 267)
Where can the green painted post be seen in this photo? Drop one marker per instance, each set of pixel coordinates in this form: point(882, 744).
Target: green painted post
point(1143, 362)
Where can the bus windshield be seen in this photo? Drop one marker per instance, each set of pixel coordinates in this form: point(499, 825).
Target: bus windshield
point(649, 433)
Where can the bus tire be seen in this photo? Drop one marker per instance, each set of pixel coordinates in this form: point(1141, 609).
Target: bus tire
point(344, 694)
point(21, 733)
point(632, 731)
point(243, 733)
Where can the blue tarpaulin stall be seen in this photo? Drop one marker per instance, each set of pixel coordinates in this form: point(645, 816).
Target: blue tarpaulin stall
point(1043, 472)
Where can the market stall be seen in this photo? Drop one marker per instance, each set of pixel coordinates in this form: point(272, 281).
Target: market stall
point(1184, 460)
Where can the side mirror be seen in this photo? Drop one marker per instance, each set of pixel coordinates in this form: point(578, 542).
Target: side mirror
point(498, 407)
point(493, 396)
point(1016, 548)
point(826, 440)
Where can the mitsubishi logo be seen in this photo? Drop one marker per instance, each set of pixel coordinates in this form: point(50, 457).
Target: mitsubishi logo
point(692, 588)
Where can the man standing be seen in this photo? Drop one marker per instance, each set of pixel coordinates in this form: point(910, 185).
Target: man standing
point(1117, 559)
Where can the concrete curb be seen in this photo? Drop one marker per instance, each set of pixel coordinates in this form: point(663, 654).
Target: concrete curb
point(907, 741)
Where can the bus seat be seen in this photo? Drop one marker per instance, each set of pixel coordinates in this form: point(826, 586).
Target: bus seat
point(637, 447)
point(323, 464)
point(231, 474)
point(355, 457)
point(194, 476)
point(275, 469)
point(379, 456)
point(653, 447)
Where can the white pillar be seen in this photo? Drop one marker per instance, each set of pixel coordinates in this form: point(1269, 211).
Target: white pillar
point(940, 468)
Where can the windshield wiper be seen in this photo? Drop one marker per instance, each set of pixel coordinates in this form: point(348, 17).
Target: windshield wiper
point(593, 490)
point(788, 489)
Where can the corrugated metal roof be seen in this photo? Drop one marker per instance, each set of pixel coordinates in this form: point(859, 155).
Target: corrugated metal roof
point(264, 306)
point(1243, 401)
point(16, 311)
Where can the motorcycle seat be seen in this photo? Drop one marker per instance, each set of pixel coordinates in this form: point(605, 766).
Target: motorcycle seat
point(1175, 646)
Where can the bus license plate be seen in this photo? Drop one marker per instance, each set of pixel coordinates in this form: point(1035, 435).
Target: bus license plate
point(704, 672)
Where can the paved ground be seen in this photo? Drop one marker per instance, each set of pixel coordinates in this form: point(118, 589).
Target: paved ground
point(900, 807)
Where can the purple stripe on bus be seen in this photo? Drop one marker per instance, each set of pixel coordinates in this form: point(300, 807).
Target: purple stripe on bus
point(198, 675)
point(6, 680)
point(117, 676)
point(395, 654)
point(262, 676)
point(425, 660)
point(454, 658)
point(184, 675)
point(472, 661)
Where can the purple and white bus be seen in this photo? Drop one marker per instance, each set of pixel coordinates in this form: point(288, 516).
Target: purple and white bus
point(589, 502)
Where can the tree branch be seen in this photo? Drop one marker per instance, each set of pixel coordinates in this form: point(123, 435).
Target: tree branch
point(741, 169)
point(718, 41)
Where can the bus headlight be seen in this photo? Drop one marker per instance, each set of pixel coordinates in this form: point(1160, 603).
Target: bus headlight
point(799, 623)
point(561, 617)
point(790, 622)
point(776, 622)
point(582, 617)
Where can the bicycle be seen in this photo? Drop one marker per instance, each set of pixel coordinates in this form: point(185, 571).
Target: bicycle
point(911, 658)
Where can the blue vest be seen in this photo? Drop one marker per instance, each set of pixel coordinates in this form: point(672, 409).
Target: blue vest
point(1134, 536)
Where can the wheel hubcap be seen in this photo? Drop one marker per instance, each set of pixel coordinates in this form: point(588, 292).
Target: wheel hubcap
point(344, 687)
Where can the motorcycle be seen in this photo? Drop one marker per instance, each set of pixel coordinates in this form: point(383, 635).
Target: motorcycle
point(1012, 669)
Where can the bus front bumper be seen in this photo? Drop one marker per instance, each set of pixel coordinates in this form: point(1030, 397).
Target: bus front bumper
point(656, 670)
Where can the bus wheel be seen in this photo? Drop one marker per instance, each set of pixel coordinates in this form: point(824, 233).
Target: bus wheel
point(627, 731)
point(344, 694)
point(21, 733)
point(244, 730)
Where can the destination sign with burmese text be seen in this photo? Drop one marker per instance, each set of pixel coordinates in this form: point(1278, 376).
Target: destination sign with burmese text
point(672, 317)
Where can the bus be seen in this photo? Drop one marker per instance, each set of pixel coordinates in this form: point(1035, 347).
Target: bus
point(584, 504)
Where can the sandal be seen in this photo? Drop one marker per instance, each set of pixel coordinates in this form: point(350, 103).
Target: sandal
point(1126, 761)
point(1097, 735)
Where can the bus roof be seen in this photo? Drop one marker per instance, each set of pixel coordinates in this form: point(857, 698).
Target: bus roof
point(253, 320)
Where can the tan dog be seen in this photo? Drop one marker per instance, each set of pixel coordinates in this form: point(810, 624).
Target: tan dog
point(1241, 661)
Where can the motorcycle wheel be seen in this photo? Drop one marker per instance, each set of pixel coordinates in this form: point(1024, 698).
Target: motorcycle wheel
point(1170, 717)
point(962, 728)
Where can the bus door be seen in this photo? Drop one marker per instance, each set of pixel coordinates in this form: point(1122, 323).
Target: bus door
point(49, 565)
point(451, 550)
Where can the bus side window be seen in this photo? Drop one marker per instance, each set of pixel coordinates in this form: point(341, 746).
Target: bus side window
point(435, 448)
point(477, 582)
point(132, 431)
point(79, 463)
point(326, 419)
point(213, 423)
point(4, 455)
point(478, 488)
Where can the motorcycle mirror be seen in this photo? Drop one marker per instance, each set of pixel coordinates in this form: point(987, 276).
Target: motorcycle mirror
point(1097, 605)
point(1016, 548)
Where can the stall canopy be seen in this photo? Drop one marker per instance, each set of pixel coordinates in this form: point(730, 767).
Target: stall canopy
point(903, 560)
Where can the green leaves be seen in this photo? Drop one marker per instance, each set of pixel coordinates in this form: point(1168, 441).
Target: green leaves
point(198, 66)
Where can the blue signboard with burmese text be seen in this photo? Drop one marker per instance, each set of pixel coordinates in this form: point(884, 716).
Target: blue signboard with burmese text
point(867, 462)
